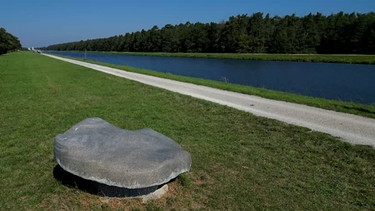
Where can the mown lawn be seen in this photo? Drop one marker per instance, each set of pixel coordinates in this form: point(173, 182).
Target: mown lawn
point(240, 161)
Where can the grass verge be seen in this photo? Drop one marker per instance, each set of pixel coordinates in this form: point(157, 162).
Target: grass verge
point(240, 161)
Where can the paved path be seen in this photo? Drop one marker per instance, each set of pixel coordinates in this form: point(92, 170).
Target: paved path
point(351, 128)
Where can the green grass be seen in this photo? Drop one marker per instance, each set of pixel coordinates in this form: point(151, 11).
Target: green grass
point(331, 58)
point(240, 161)
point(365, 110)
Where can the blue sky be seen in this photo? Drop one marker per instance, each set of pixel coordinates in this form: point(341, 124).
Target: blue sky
point(39, 23)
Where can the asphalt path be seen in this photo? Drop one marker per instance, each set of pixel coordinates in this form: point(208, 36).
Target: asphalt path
point(350, 128)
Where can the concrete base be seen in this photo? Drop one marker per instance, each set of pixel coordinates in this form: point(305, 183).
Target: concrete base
point(96, 188)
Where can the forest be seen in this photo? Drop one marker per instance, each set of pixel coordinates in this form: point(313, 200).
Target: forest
point(339, 33)
point(8, 42)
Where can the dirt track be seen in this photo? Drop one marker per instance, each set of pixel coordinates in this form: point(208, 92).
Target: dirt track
point(351, 128)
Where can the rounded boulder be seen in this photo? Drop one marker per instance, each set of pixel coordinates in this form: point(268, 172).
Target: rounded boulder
point(96, 150)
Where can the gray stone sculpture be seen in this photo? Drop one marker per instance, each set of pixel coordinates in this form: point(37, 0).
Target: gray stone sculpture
point(98, 151)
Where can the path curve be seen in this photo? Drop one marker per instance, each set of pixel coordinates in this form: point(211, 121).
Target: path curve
point(351, 128)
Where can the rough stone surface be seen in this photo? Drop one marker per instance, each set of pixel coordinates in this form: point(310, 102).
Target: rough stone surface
point(96, 150)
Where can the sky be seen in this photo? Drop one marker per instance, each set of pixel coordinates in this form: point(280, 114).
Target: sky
point(39, 23)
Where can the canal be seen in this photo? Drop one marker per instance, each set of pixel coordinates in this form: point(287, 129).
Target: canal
point(345, 82)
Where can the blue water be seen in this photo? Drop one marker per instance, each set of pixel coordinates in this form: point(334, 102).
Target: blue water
point(345, 82)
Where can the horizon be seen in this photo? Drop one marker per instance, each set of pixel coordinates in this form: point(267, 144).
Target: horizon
point(44, 23)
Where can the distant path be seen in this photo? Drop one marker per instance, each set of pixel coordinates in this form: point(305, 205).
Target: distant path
point(351, 128)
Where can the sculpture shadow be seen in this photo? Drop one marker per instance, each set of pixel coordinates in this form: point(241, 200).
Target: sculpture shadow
point(70, 180)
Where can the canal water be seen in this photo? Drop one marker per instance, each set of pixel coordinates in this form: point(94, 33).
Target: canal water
point(345, 82)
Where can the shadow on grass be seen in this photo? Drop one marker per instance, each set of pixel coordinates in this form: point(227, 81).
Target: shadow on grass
point(96, 188)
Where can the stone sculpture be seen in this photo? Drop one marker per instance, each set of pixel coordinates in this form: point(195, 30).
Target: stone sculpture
point(95, 150)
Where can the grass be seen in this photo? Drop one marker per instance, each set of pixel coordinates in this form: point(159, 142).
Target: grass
point(331, 58)
point(366, 110)
point(240, 161)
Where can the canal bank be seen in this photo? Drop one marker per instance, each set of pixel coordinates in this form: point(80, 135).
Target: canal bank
point(351, 128)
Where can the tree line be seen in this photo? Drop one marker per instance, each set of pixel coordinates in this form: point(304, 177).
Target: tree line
point(8, 42)
point(258, 33)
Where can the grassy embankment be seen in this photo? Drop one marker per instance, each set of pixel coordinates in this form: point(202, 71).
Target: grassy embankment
point(330, 58)
point(347, 107)
point(240, 161)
